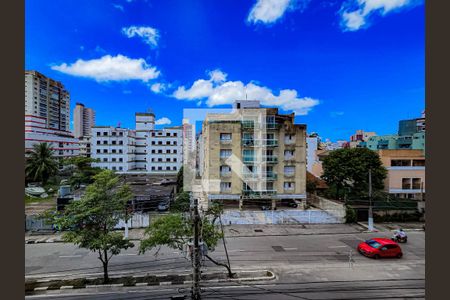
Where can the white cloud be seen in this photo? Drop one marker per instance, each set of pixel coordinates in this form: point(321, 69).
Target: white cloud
point(269, 11)
point(119, 7)
point(163, 121)
point(355, 13)
point(149, 35)
point(158, 87)
point(110, 68)
point(226, 92)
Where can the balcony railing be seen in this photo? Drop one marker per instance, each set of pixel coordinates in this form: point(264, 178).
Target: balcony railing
point(226, 141)
point(258, 193)
point(248, 124)
point(270, 158)
point(225, 174)
point(250, 142)
point(289, 158)
point(270, 142)
point(247, 158)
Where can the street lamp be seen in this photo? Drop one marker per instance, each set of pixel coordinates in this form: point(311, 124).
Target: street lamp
point(370, 221)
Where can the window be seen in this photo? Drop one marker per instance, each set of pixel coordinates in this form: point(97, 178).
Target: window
point(120, 168)
point(153, 142)
point(289, 170)
point(167, 133)
point(114, 142)
point(167, 168)
point(416, 183)
point(113, 159)
point(418, 163)
point(160, 143)
point(269, 186)
point(406, 183)
point(105, 150)
point(120, 151)
point(160, 151)
point(167, 142)
point(121, 134)
point(174, 168)
point(105, 159)
point(153, 168)
point(400, 162)
point(120, 159)
point(153, 134)
point(175, 159)
point(289, 139)
point(120, 142)
point(98, 142)
point(98, 150)
point(105, 133)
point(175, 134)
point(167, 159)
point(159, 168)
point(98, 133)
point(113, 168)
point(175, 151)
point(225, 186)
point(113, 150)
point(289, 185)
point(114, 133)
point(175, 143)
point(225, 153)
point(225, 137)
point(160, 159)
point(105, 142)
point(248, 155)
point(153, 151)
point(288, 154)
point(168, 151)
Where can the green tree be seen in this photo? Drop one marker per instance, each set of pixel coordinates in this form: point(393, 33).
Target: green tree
point(90, 221)
point(175, 230)
point(347, 171)
point(41, 163)
point(180, 180)
point(182, 202)
point(84, 172)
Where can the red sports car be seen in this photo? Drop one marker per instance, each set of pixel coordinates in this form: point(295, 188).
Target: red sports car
point(380, 247)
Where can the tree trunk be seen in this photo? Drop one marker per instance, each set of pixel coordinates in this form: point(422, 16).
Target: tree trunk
point(105, 268)
point(105, 273)
point(230, 274)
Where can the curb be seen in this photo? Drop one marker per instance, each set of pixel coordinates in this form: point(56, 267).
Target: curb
point(163, 283)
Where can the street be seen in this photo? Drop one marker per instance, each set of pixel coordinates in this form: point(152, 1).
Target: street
point(306, 267)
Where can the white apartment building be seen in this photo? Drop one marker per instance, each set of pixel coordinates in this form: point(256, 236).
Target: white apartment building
point(83, 120)
point(165, 150)
point(47, 115)
point(85, 146)
point(145, 124)
point(143, 150)
point(114, 147)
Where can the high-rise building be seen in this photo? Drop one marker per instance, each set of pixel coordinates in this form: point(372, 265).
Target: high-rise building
point(83, 120)
point(47, 115)
point(47, 99)
point(253, 155)
point(145, 124)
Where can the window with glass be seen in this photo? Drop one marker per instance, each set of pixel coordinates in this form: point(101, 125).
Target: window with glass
point(225, 137)
point(406, 183)
point(225, 153)
point(289, 170)
point(289, 185)
point(225, 186)
point(416, 183)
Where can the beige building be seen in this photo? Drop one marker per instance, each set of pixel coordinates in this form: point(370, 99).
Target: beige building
point(406, 172)
point(253, 155)
point(83, 120)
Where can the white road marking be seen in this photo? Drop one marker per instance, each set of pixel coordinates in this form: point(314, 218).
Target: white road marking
point(69, 256)
point(337, 246)
point(236, 250)
point(127, 254)
point(290, 249)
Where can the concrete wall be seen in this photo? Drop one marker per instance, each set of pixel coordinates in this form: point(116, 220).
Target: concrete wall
point(335, 208)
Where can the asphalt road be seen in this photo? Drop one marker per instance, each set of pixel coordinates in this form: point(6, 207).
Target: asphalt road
point(307, 267)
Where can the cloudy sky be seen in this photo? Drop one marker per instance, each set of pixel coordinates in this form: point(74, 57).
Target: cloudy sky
point(340, 65)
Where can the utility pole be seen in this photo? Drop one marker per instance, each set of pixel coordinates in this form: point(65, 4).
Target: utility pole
point(195, 292)
point(370, 222)
point(224, 244)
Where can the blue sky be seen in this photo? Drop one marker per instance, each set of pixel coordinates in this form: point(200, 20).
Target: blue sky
point(340, 65)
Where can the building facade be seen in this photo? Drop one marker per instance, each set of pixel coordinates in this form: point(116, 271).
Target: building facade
point(145, 125)
point(252, 154)
point(406, 172)
point(360, 138)
point(115, 148)
point(47, 115)
point(83, 120)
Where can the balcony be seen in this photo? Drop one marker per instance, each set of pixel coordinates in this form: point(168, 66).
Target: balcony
point(270, 142)
point(250, 142)
point(248, 159)
point(258, 193)
point(226, 141)
point(289, 158)
point(225, 174)
point(270, 176)
point(270, 159)
point(248, 125)
point(272, 126)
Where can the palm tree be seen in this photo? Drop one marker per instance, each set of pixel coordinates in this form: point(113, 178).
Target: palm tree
point(41, 164)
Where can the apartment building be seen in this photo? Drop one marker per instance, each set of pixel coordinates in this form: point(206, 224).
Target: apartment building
point(114, 147)
point(253, 153)
point(47, 99)
point(85, 146)
point(406, 172)
point(47, 115)
point(83, 120)
point(360, 138)
point(165, 150)
point(145, 124)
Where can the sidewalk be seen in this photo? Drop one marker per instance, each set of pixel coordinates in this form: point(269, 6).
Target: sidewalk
point(235, 231)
